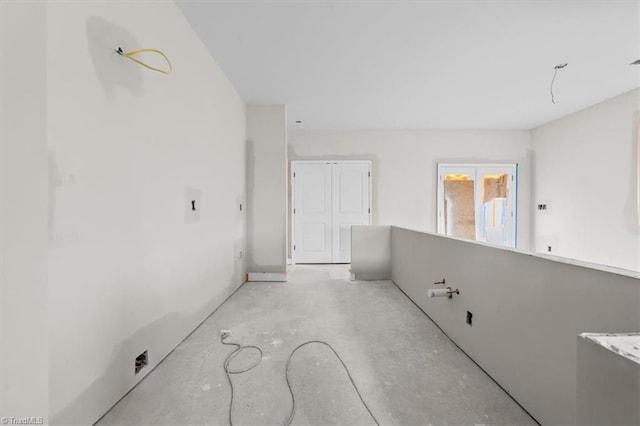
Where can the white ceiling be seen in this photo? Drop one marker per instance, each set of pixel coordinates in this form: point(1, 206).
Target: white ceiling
point(422, 64)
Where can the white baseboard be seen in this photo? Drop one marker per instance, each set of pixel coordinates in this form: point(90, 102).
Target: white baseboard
point(267, 277)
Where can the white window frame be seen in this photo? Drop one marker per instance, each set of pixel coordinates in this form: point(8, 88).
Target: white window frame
point(477, 170)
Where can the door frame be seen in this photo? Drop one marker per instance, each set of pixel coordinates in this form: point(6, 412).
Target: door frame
point(292, 192)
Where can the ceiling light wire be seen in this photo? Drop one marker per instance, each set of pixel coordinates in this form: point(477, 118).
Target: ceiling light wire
point(555, 73)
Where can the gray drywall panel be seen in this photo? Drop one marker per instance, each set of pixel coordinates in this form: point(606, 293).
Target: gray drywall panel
point(371, 252)
point(527, 312)
point(608, 386)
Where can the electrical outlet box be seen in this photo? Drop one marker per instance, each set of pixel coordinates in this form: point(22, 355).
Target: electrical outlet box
point(543, 207)
point(141, 361)
point(548, 244)
point(192, 205)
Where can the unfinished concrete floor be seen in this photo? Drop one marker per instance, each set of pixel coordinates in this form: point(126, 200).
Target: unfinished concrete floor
point(407, 371)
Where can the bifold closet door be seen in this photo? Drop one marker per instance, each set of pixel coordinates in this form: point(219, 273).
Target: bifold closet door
point(351, 204)
point(312, 213)
point(328, 198)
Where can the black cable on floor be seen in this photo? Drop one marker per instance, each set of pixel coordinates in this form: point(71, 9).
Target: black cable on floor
point(240, 348)
point(346, 369)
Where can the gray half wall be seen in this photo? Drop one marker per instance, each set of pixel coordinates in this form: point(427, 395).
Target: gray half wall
point(371, 252)
point(527, 312)
point(608, 386)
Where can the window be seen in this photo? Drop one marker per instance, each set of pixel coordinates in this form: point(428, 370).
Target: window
point(478, 202)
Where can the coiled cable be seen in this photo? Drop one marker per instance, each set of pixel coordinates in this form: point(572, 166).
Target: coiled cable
point(240, 348)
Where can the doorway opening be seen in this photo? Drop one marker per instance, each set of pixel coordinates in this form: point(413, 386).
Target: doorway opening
point(328, 197)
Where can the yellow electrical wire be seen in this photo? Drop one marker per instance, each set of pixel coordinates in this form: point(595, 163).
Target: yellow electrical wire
point(131, 54)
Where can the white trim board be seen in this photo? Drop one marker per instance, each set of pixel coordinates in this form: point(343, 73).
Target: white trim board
point(266, 277)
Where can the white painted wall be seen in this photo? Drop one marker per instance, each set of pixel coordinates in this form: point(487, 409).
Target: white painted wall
point(267, 188)
point(585, 171)
point(527, 311)
point(405, 166)
point(24, 360)
point(131, 267)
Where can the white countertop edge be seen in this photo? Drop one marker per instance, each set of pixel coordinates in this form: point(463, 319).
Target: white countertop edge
point(624, 344)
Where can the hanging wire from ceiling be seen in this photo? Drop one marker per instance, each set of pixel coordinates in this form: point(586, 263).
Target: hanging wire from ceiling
point(555, 73)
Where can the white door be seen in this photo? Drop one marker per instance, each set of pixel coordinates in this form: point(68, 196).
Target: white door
point(351, 205)
point(328, 198)
point(497, 205)
point(312, 212)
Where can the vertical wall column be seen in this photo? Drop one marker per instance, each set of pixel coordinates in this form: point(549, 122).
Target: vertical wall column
point(24, 369)
point(267, 193)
